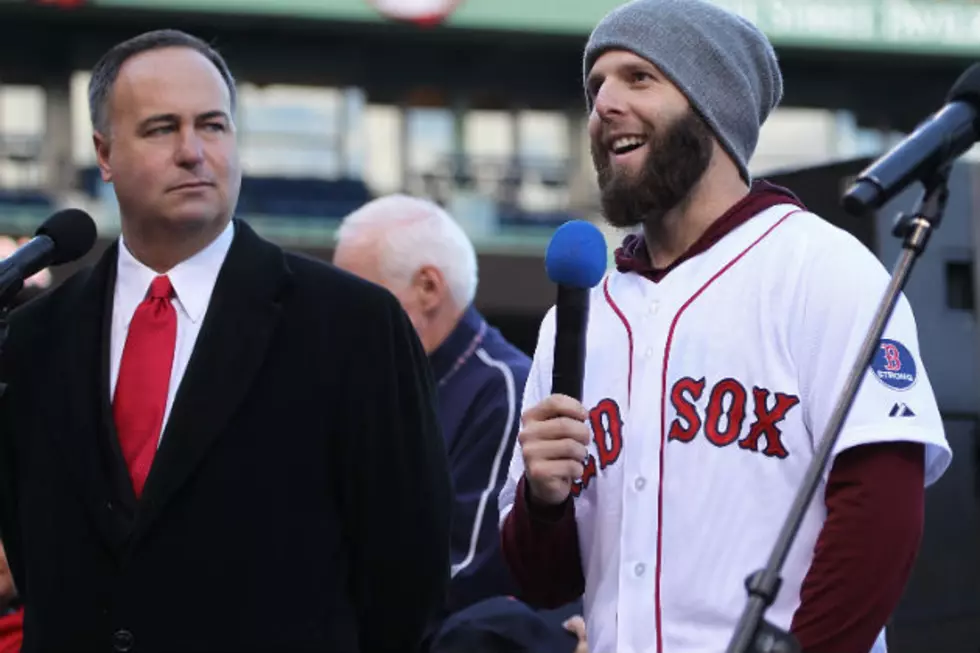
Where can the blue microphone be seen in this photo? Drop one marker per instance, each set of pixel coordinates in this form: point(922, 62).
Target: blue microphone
point(576, 262)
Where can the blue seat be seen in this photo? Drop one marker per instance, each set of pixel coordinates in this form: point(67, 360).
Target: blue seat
point(89, 181)
point(25, 198)
point(302, 196)
point(519, 217)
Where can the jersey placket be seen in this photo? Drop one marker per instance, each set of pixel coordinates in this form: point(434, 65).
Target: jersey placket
point(649, 312)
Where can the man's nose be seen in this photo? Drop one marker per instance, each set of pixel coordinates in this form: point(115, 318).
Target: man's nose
point(190, 149)
point(610, 100)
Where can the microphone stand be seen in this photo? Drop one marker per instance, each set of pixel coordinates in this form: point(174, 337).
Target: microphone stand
point(753, 634)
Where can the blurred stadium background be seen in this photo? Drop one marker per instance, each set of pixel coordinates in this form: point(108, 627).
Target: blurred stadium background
point(478, 104)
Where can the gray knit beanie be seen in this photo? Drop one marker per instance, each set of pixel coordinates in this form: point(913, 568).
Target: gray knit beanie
point(723, 64)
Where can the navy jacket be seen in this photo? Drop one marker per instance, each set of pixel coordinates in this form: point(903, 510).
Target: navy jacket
point(480, 379)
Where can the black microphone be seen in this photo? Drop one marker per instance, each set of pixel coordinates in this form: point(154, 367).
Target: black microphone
point(64, 237)
point(936, 142)
point(576, 261)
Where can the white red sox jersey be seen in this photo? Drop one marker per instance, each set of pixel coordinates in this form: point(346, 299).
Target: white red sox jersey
point(708, 393)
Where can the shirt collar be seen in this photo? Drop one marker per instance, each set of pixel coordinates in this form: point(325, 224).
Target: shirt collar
point(457, 346)
point(193, 280)
point(633, 256)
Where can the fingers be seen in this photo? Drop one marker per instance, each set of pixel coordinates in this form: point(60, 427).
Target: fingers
point(554, 443)
point(576, 625)
point(556, 406)
point(556, 428)
point(559, 449)
point(549, 470)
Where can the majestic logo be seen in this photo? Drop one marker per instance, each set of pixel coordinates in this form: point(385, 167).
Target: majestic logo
point(901, 410)
point(893, 365)
point(728, 399)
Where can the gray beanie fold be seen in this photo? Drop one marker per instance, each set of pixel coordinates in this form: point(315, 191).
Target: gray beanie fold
point(723, 64)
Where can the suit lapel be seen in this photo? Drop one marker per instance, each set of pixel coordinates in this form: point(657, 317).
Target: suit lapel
point(81, 430)
point(239, 323)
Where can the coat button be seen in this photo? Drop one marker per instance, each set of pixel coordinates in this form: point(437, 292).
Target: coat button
point(122, 641)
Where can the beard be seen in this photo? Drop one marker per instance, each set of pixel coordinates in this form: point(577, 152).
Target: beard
point(676, 159)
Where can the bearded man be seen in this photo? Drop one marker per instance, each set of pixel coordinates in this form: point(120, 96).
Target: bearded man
point(716, 352)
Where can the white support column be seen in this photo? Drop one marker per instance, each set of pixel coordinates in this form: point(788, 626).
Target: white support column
point(56, 147)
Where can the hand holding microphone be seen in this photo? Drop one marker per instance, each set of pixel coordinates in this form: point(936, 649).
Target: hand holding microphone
point(554, 440)
point(554, 436)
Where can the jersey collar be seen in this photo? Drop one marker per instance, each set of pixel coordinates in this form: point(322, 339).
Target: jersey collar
point(632, 255)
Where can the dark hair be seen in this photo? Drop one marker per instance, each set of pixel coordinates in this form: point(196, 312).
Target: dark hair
point(107, 69)
point(466, 640)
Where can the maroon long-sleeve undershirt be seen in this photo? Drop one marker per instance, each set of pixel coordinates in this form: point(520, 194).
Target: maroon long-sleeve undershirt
point(875, 500)
point(540, 545)
point(861, 563)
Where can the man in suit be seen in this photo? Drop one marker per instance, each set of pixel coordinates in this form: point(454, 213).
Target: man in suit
point(208, 444)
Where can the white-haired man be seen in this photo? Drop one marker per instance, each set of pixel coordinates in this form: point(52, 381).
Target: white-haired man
point(419, 253)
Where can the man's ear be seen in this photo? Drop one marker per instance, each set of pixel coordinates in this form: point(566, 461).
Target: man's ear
point(102, 147)
point(430, 286)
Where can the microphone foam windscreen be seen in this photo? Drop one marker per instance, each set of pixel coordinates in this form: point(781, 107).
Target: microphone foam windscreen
point(967, 86)
point(73, 232)
point(576, 255)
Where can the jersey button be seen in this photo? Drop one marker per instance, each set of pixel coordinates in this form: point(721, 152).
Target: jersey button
point(654, 306)
point(639, 484)
point(649, 352)
point(639, 569)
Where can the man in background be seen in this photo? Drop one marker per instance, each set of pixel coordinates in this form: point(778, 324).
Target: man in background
point(419, 253)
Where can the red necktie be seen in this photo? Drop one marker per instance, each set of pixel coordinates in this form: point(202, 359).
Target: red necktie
point(144, 380)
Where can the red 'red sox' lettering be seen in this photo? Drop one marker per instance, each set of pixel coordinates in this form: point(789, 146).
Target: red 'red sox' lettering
point(726, 414)
point(607, 431)
point(686, 409)
point(723, 421)
point(720, 394)
point(607, 434)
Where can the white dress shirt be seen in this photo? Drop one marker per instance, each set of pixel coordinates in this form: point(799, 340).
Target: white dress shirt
point(193, 282)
